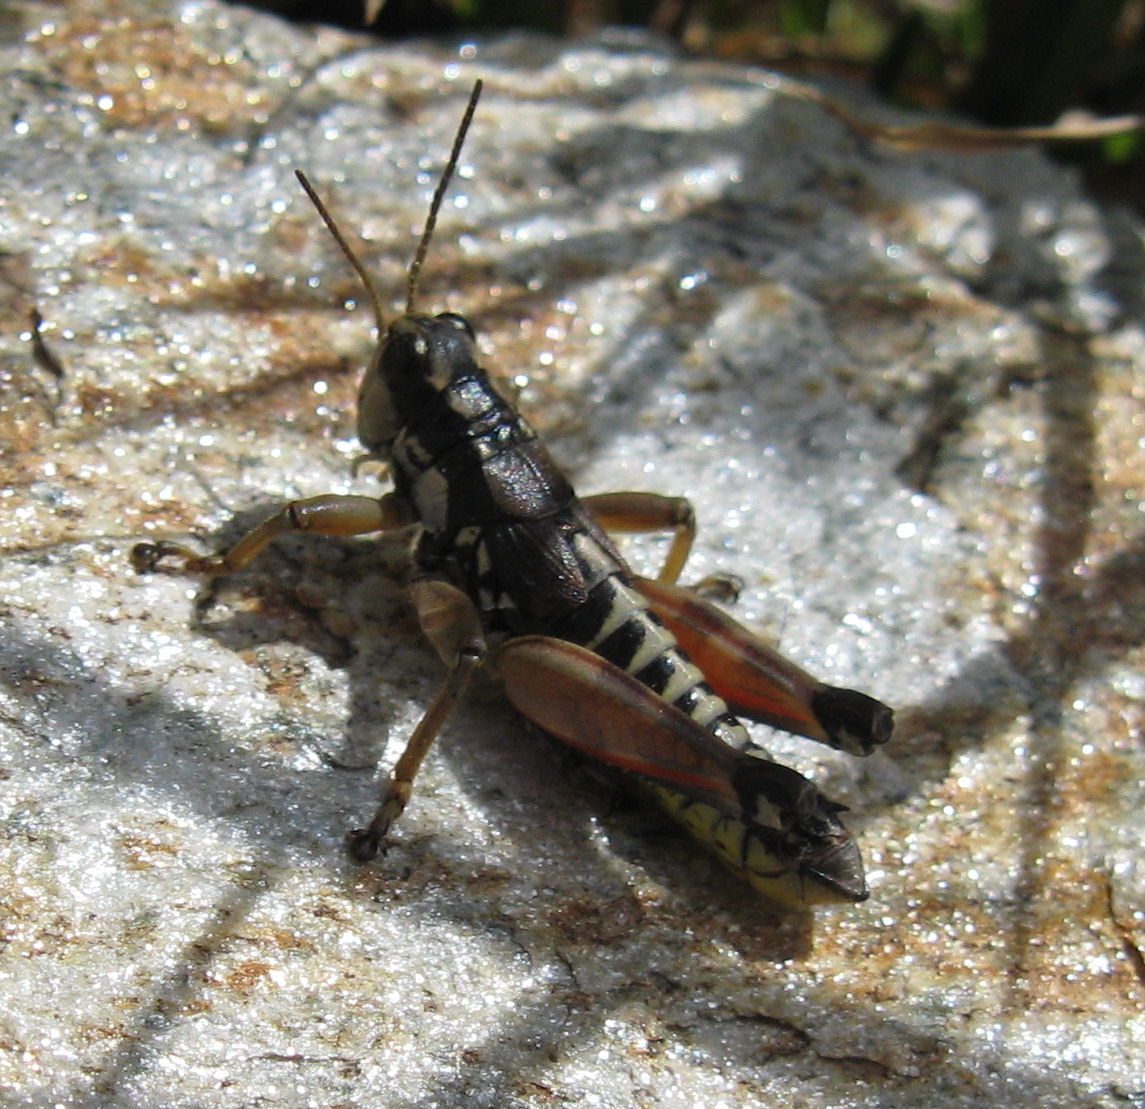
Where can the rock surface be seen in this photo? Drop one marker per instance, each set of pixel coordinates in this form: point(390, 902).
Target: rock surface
point(906, 394)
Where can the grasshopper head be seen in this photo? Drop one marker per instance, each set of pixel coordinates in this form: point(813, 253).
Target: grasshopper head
point(420, 357)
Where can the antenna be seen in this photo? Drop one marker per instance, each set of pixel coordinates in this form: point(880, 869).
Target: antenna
point(354, 260)
point(439, 195)
point(430, 223)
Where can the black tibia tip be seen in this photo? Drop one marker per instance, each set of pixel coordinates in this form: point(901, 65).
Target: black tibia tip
point(810, 839)
point(854, 722)
point(363, 845)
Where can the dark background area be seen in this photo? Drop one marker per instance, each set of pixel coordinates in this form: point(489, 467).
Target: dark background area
point(997, 62)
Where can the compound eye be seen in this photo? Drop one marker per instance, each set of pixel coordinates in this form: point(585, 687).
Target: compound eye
point(460, 322)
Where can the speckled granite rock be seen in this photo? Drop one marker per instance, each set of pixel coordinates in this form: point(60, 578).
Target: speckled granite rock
point(906, 395)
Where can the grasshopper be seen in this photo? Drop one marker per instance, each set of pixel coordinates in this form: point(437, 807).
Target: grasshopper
point(514, 570)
